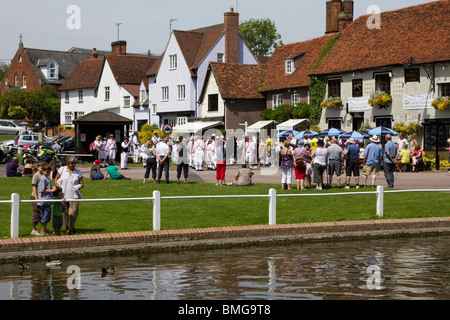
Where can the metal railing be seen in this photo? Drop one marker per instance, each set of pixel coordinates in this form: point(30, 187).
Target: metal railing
point(156, 199)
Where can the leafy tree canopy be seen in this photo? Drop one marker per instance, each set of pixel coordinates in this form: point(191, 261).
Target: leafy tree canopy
point(260, 35)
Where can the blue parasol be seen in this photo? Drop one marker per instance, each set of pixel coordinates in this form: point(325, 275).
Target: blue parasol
point(332, 132)
point(381, 131)
point(355, 135)
point(286, 134)
point(301, 134)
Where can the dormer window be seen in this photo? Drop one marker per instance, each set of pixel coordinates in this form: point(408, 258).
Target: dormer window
point(289, 66)
point(292, 63)
point(52, 71)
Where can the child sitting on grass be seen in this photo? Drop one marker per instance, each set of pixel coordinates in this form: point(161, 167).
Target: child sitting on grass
point(57, 219)
point(45, 193)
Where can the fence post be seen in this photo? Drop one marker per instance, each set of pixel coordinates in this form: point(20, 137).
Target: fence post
point(380, 201)
point(15, 208)
point(272, 207)
point(156, 210)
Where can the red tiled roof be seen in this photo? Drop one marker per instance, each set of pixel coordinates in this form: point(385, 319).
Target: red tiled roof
point(237, 81)
point(86, 75)
point(420, 33)
point(129, 69)
point(132, 89)
point(307, 51)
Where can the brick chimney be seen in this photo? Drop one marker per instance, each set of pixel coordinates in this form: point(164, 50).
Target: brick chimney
point(339, 15)
point(94, 54)
point(119, 47)
point(232, 37)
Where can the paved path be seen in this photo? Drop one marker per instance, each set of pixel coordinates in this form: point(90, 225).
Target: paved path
point(406, 180)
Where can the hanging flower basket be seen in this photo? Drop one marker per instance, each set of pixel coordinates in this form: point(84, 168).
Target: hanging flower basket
point(412, 128)
point(441, 103)
point(380, 99)
point(332, 103)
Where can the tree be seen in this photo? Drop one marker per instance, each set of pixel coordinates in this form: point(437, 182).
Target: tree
point(260, 35)
point(3, 70)
point(38, 104)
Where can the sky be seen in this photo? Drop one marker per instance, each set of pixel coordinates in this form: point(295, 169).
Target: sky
point(145, 24)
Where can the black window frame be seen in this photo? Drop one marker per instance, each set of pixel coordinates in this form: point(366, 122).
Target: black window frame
point(213, 102)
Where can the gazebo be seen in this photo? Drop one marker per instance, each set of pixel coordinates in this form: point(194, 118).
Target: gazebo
point(99, 123)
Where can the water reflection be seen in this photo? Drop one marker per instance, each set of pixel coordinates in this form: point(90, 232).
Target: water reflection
point(409, 269)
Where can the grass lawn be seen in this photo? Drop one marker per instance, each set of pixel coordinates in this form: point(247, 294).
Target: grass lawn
point(110, 217)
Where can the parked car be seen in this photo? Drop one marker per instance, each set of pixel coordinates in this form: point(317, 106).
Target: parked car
point(12, 127)
point(25, 139)
point(68, 144)
point(52, 122)
point(8, 144)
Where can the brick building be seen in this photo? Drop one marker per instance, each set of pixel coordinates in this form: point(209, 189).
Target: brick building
point(31, 69)
point(231, 94)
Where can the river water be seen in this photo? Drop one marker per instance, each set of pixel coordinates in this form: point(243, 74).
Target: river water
point(387, 269)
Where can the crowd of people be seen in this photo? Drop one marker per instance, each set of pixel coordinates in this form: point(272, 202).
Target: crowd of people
point(309, 161)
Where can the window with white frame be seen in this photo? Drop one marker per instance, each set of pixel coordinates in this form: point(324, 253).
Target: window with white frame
point(165, 94)
point(24, 80)
point(66, 96)
point(142, 96)
point(181, 92)
point(295, 98)
point(154, 109)
point(126, 102)
point(221, 57)
point(68, 118)
point(277, 100)
point(16, 80)
point(173, 61)
point(181, 121)
point(52, 71)
point(107, 93)
point(80, 96)
point(289, 67)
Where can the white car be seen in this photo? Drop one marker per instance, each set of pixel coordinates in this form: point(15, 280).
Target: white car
point(12, 127)
point(26, 139)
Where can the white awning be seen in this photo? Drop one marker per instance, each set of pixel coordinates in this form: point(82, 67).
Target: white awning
point(256, 127)
point(194, 127)
point(293, 124)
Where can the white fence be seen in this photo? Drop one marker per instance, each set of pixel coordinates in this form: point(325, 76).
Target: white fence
point(156, 199)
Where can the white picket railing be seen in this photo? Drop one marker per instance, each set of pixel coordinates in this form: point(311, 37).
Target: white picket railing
point(156, 199)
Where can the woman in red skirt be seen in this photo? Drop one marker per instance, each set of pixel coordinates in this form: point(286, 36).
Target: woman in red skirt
point(221, 164)
point(300, 160)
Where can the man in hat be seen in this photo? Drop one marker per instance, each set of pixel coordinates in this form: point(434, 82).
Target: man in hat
point(162, 156)
point(335, 158)
point(111, 148)
point(126, 145)
point(352, 162)
point(156, 138)
point(389, 153)
point(373, 155)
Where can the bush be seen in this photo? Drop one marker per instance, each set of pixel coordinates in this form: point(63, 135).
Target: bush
point(302, 111)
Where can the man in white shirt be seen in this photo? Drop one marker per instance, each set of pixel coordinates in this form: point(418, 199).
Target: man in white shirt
point(135, 147)
point(126, 145)
point(162, 155)
point(111, 148)
point(199, 153)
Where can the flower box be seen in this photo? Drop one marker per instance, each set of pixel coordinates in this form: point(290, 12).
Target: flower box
point(380, 99)
point(332, 103)
point(441, 103)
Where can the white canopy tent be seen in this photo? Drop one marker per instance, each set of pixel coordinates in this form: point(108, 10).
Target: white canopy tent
point(258, 126)
point(293, 124)
point(197, 126)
